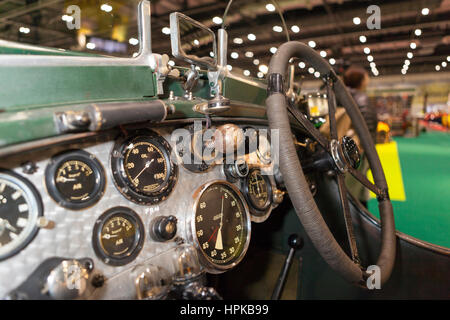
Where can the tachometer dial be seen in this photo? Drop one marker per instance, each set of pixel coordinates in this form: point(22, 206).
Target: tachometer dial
point(258, 190)
point(118, 236)
point(142, 168)
point(75, 179)
point(221, 226)
point(20, 209)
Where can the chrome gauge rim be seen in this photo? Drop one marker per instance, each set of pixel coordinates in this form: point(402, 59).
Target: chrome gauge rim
point(34, 203)
point(206, 262)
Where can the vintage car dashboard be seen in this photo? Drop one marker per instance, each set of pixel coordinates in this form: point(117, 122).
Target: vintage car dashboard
point(124, 209)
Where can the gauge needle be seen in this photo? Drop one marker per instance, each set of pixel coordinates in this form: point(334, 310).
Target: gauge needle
point(147, 165)
point(7, 225)
point(219, 243)
point(109, 236)
point(64, 179)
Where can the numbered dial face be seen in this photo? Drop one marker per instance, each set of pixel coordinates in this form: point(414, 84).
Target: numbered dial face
point(146, 167)
point(258, 190)
point(118, 236)
point(221, 225)
point(142, 169)
point(75, 179)
point(20, 208)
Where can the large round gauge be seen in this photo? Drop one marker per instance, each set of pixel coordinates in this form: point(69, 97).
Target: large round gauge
point(20, 209)
point(118, 236)
point(75, 179)
point(221, 226)
point(142, 168)
point(258, 191)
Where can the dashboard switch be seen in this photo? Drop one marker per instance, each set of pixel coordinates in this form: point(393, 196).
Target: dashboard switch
point(163, 228)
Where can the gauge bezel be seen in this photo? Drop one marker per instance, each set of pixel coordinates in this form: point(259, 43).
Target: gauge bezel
point(210, 266)
point(122, 182)
point(33, 195)
point(131, 216)
point(82, 156)
point(255, 209)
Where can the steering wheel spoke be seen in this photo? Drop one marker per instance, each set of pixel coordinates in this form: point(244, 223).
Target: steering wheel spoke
point(365, 182)
point(348, 219)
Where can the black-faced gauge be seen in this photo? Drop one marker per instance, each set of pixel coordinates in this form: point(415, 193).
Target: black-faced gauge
point(221, 226)
point(142, 168)
point(20, 209)
point(75, 179)
point(118, 236)
point(258, 191)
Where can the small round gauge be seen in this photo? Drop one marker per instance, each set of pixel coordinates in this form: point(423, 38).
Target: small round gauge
point(75, 179)
point(221, 226)
point(142, 169)
point(20, 209)
point(118, 236)
point(258, 190)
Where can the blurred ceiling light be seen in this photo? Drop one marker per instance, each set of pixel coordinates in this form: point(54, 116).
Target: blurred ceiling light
point(366, 50)
point(425, 11)
point(404, 71)
point(311, 70)
point(217, 20)
point(317, 74)
point(263, 68)
point(407, 62)
point(438, 68)
point(90, 46)
point(249, 54)
point(234, 55)
point(166, 30)
point(277, 29)
point(67, 18)
point(251, 37)
point(106, 7)
point(332, 61)
point(273, 50)
point(418, 32)
point(238, 41)
point(302, 65)
point(373, 65)
point(413, 45)
point(444, 64)
point(260, 75)
point(362, 39)
point(135, 54)
point(256, 62)
point(312, 44)
point(171, 63)
point(246, 73)
point(196, 42)
point(448, 58)
point(323, 53)
point(229, 67)
point(369, 58)
point(356, 20)
point(24, 30)
point(211, 54)
point(295, 29)
point(133, 41)
point(270, 7)
point(410, 55)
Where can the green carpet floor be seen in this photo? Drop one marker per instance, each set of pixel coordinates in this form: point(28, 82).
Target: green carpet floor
point(425, 163)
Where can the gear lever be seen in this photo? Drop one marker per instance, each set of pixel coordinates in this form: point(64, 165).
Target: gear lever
point(295, 243)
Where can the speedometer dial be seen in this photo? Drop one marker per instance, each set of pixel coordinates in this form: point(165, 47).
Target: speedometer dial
point(142, 167)
point(221, 226)
point(20, 208)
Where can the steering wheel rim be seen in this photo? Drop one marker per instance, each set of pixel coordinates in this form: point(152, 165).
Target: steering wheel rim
point(294, 178)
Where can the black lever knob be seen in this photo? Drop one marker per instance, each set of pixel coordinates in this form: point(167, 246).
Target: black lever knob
point(295, 243)
point(163, 228)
